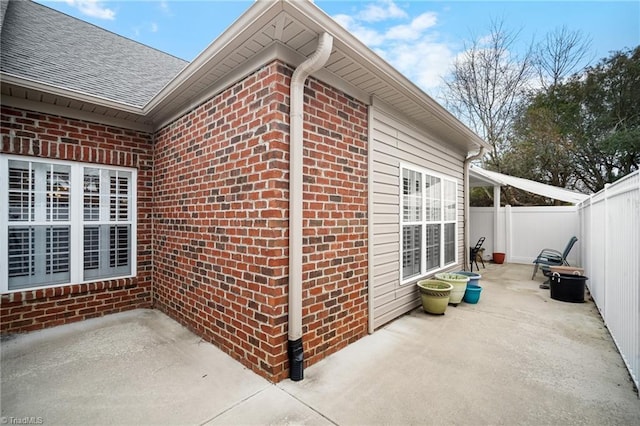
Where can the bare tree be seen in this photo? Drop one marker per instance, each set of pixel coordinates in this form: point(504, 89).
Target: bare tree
point(559, 55)
point(486, 85)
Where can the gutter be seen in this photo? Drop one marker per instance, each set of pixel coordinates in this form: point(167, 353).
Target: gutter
point(467, 190)
point(315, 62)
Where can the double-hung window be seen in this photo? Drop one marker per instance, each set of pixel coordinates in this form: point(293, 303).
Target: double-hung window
point(428, 222)
point(65, 222)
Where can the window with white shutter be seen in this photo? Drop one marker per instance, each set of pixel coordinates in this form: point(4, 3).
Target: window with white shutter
point(65, 222)
point(428, 221)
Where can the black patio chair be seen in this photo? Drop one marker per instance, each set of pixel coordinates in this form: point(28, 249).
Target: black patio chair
point(551, 257)
point(474, 253)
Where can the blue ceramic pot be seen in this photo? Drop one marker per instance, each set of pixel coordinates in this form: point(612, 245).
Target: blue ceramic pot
point(473, 277)
point(472, 294)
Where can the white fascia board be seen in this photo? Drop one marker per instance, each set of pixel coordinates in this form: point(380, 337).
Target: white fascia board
point(71, 94)
point(294, 58)
point(308, 13)
point(259, 14)
point(167, 112)
point(75, 113)
point(452, 149)
point(264, 11)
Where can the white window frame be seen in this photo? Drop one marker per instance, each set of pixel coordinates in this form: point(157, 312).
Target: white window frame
point(425, 173)
point(76, 221)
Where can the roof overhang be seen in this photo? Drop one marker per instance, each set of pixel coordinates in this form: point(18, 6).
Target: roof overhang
point(289, 31)
point(268, 30)
point(479, 177)
point(28, 94)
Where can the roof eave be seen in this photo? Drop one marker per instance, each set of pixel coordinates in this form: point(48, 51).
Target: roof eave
point(29, 84)
point(260, 11)
point(308, 10)
point(33, 95)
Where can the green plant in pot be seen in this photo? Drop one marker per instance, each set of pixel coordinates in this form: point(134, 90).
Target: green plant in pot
point(459, 283)
point(434, 295)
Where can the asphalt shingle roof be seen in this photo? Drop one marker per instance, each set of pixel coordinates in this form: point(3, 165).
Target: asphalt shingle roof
point(41, 44)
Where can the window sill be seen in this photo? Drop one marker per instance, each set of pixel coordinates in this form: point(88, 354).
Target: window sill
point(60, 290)
point(431, 274)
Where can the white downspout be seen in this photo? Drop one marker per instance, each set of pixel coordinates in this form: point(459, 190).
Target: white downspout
point(370, 290)
point(467, 219)
point(296, 114)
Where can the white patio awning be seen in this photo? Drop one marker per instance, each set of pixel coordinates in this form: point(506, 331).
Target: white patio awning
point(481, 177)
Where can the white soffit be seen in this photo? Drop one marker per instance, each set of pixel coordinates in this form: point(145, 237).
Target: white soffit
point(481, 177)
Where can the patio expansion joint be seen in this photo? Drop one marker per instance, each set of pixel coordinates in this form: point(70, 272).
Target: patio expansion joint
point(324, 416)
point(242, 401)
point(232, 406)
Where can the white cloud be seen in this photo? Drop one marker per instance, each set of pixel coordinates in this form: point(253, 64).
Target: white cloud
point(381, 11)
point(424, 62)
point(154, 27)
point(164, 7)
point(93, 8)
point(413, 47)
point(415, 29)
point(485, 40)
point(369, 36)
point(344, 20)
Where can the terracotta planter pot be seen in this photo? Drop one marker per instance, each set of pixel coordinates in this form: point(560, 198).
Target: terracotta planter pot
point(434, 295)
point(498, 258)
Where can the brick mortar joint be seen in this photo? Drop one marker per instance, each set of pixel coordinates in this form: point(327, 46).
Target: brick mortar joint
point(70, 290)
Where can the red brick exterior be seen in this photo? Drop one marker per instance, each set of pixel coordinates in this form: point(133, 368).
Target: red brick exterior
point(47, 136)
point(220, 243)
point(215, 257)
point(334, 299)
point(221, 232)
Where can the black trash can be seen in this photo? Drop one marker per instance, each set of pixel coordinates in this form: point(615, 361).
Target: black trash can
point(568, 288)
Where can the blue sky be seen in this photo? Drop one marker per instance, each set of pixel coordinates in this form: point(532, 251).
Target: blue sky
point(419, 38)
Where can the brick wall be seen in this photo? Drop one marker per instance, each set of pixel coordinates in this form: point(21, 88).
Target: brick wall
point(218, 179)
point(47, 136)
point(335, 221)
point(221, 221)
point(220, 245)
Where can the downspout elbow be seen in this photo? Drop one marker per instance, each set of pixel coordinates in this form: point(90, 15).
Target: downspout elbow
point(309, 66)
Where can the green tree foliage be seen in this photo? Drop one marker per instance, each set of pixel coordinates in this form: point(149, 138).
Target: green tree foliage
point(582, 133)
point(610, 113)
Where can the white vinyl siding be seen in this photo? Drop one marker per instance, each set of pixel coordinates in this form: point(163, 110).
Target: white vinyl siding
point(395, 143)
point(65, 222)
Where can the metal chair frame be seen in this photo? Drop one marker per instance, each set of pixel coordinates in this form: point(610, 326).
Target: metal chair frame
point(473, 254)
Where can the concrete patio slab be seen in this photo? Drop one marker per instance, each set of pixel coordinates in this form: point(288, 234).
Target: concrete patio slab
point(517, 357)
point(137, 367)
point(271, 406)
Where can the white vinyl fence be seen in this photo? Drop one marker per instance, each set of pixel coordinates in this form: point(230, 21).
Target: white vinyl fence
point(522, 232)
point(610, 231)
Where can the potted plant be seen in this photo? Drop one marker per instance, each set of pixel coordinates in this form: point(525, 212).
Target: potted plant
point(434, 295)
point(498, 258)
point(472, 294)
point(474, 278)
point(459, 283)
